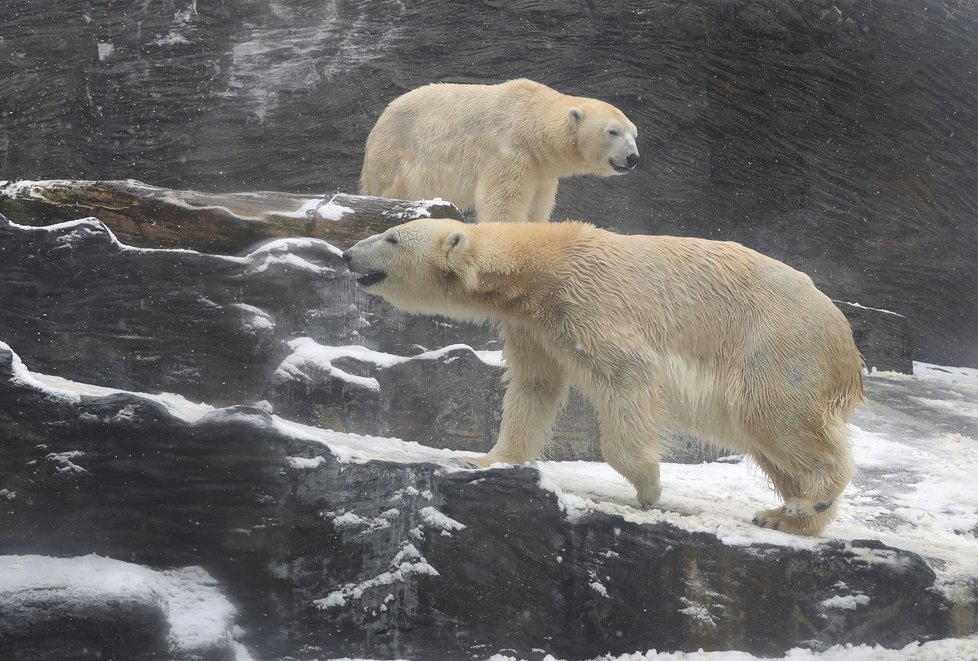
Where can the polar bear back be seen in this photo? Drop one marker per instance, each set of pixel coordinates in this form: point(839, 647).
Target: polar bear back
point(426, 141)
point(499, 149)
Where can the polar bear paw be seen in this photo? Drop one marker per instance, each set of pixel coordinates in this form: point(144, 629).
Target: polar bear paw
point(798, 507)
point(777, 519)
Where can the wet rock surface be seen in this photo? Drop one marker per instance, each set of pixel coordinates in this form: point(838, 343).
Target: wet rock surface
point(838, 137)
point(324, 555)
point(337, 545)
point(285, 324)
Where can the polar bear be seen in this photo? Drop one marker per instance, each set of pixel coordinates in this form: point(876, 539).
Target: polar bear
point(658, 332)
point(499, 149)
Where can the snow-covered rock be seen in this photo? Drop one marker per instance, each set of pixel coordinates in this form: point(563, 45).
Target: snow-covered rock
point(368, 546)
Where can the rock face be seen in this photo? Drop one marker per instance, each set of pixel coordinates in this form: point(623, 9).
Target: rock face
point(386, 558)
point(838, 137)
point(265, 326)
point(332, 544)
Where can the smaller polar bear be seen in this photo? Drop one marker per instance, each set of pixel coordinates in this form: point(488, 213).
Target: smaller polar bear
point(499, 149)
point(658, 332)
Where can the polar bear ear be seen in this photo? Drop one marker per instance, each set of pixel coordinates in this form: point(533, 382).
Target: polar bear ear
point(454, 244)
point(575, 115)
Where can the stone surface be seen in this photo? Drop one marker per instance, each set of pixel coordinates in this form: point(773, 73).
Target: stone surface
point(90, 607)
point(152, 217)
point(839, 137)
point(883, 337)
point(337, 545)
point(80, 305)
point(327, 554)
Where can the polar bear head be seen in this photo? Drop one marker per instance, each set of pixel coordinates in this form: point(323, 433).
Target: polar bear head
point(605, 137)
point(422, 266)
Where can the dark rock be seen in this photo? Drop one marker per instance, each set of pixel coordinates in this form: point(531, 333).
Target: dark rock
point(378, 558)
point(883, 337)
point(52, 625)
point(838, 137)
point(82, 306)
point(151, 217)
point(96, 608)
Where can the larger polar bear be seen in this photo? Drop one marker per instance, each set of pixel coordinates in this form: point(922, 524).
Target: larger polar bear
point(658, 332)
point(499, 149)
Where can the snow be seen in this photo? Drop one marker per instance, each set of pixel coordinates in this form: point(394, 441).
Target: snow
point(436, 519)
point(950, 649)
point(328, 210)
point(90, 225)
point(307, 353)
point(199, 615)
point(302, 463)
point(912, 491)
point(847, 602)
point(73, 391)
point(406, 563)
point(865, 307)
point(421, 209)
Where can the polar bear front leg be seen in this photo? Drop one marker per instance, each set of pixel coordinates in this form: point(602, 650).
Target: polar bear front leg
point(537, 388)
point(544, 198)
point(503, 194)
point(630, 439)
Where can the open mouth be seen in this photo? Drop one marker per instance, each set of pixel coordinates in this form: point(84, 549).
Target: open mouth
point(371, 278)
point(620, 169)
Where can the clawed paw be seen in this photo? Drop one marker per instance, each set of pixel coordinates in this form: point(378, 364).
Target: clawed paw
point(799, 507)
point(768, 519)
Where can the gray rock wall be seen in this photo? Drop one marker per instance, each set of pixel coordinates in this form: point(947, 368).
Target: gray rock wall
point(839, 137)
point(326, 558)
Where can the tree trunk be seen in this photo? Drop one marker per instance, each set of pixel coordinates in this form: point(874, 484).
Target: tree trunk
point(151, 217)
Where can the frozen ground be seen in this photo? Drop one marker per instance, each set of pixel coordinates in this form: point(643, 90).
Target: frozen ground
point(916, 449)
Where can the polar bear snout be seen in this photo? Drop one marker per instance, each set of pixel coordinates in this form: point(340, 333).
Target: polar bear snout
point(629, 163)
point(370, 276)
point(624, 155)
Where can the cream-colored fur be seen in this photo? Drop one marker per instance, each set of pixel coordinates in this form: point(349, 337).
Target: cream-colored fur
point(499, 149)
point(658, 332)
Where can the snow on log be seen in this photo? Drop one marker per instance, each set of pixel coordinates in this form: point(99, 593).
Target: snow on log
point(224, 223)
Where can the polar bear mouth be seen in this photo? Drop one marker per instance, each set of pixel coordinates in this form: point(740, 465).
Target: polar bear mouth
point(620, 169)
point(371, 278)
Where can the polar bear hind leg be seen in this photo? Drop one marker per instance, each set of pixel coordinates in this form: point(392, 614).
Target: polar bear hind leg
point(810, 476)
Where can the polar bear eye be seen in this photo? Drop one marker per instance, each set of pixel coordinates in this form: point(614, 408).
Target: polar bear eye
point(392, 240)
point(614, 132)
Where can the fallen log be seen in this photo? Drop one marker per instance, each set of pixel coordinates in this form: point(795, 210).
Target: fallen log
point(226, 223)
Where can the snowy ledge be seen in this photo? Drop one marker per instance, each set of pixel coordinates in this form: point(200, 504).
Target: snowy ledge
point(414, 518)
point(930, 507)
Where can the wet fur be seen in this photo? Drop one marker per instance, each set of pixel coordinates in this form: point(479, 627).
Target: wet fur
point(658, 332)
point(499, 149)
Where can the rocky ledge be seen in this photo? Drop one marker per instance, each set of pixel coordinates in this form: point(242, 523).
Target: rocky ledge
point(338, 544)
point(314, 533)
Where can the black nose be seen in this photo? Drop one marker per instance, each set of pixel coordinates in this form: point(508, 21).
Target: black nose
point(347, 256)
point(632, 160)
